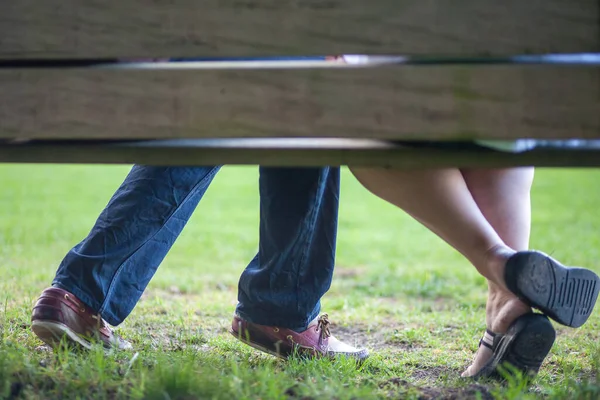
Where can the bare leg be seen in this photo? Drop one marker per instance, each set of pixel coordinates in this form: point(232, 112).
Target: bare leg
point(503, 196)
point(484, 214)
point(442, 201)
point(510, 215)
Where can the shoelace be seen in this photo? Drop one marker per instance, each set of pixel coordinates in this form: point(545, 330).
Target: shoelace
point(323, 326)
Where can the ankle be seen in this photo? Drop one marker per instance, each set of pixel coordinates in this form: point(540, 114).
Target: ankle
point(495, 260)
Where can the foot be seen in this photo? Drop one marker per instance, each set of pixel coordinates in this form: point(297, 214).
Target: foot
point(524, 347)
point(60, 316)
point(315, 341)
point(502, 309)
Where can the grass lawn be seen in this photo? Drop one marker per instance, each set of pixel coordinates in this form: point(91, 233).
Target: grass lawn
point(398, 289)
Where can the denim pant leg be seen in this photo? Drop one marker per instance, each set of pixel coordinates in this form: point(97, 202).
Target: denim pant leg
point(284, 283)
point(112, 266)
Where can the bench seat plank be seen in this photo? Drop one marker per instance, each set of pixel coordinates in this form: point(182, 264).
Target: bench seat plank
point(407, 102)
point(192, 28)
point(290, 152)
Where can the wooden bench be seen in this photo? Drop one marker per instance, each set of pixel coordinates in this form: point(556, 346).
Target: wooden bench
point(70, 91)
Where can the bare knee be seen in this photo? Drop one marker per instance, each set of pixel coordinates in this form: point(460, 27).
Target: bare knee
point(367, 175)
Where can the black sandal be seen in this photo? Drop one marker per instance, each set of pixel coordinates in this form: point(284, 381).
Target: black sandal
point(525, 346)
point(565, 294)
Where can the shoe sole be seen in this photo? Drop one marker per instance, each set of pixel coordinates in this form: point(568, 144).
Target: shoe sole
point(565, 294)
point(54, 333)
point(256, 345)
point(525, 347)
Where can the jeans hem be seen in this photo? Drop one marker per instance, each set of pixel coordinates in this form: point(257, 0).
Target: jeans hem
point(258, 317)
point(86, 299)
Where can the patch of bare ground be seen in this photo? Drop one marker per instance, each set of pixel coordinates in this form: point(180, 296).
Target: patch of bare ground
point(433, 373)
point(373, 337)
point(363, 335)
point(399, 389)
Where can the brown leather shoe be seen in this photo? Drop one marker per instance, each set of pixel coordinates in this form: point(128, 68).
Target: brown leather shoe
point(316, 341)
point(59, 315)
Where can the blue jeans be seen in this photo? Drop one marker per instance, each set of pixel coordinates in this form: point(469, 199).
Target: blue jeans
point(282, 285)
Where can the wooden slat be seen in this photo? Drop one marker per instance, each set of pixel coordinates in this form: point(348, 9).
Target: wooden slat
point(441, 103)
point(289, 152)
point(188, 28)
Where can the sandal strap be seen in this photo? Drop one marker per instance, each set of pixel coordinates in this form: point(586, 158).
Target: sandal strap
point(488, 339)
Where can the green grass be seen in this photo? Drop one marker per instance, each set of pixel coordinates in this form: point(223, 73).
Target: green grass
point(416, 303)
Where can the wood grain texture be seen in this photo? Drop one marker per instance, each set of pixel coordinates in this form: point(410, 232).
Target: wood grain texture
point(289, 152)
point(437, 103)
point(192, 28)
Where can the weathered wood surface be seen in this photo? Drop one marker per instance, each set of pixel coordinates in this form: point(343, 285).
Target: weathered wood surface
point(191, 28)
point(288, 152)
point(437, 103)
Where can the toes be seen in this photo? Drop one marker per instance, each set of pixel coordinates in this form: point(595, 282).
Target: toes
point(481, 358)
point(468, 372)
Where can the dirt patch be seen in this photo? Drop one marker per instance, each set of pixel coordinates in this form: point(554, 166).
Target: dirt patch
point(399, 389)
point(432, 373)
point(363, 336)
point(374, 337)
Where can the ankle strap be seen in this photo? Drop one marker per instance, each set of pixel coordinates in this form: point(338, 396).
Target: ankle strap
point(488, 339)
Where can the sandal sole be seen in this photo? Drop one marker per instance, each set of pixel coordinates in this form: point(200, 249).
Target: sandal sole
point(525, 346)
point(565, 294)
